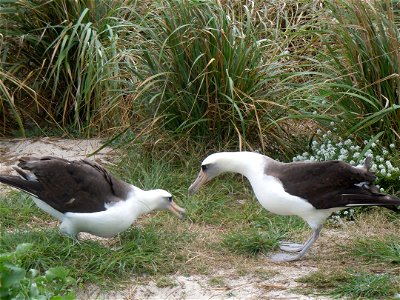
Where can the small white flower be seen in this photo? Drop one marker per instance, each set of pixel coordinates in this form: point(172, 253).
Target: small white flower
point(392, 146)
point(332, 123)
point(347, 142)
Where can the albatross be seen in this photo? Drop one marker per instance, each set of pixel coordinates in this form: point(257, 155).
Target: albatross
point(84, 196)
point(310, 190)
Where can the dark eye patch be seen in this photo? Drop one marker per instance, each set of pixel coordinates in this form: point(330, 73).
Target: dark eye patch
point(170, 199)
point(204, 167)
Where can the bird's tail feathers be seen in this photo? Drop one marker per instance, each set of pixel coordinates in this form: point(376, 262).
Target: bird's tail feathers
point(30, 187)
point(389, 202)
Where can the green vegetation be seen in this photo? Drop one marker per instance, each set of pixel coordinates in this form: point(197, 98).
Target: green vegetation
point(60, 63)
point(170, 81)
point(363, 56)
point(384, 250)
point(17, 283)
point(370, 286)
point(204, 71)
point(198, 69)
point(354, 285)
point(251, 242)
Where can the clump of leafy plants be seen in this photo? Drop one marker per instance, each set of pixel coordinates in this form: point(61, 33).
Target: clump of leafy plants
point(17, 283)
point(363, 62)
point(61, 65)
point(204, 72)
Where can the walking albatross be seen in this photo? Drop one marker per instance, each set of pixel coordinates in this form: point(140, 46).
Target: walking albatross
point(310, 190)
point(84, 196)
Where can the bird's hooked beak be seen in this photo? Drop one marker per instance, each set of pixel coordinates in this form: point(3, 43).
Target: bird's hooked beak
point(201, 179)
point(176, 210)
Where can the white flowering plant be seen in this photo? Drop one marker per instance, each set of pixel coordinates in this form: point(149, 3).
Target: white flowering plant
point(384, 160)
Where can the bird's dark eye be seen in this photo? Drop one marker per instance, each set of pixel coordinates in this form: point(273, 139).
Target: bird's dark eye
point(170, 199)
point(204, 167)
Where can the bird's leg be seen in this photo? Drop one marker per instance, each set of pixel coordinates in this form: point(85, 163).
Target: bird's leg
point(293, 247)
point(290, 247)
point(281, 257)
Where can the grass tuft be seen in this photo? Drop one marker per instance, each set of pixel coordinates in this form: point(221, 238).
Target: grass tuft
point(353, 285)
point(382, 250)
point(370, 286)
point(251, 241)
point(203, 71)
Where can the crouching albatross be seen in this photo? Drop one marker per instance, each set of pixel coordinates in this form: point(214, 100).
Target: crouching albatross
point(84, 196)
point(310, 190)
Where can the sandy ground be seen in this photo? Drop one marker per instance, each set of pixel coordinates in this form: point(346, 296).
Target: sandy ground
point(231, 286)
point(12, 149)
point(199, 287)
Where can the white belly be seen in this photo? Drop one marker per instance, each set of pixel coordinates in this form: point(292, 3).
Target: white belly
point(272, 196)
point(104, 224)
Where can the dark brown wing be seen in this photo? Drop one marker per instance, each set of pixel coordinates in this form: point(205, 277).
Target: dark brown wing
point(69, 186)
point(330, 184)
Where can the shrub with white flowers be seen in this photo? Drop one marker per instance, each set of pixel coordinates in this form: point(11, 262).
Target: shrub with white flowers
point(331, 147)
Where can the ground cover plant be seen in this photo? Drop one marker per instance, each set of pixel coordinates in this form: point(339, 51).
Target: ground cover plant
point(16, 283)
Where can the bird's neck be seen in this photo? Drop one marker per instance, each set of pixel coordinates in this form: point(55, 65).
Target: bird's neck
point(139, 202)
point(246, 163)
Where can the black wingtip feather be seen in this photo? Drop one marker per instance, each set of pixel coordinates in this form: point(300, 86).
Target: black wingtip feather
point(21, 172)
point(30, 187)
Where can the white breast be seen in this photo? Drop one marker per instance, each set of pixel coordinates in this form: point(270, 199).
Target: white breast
point(273, 197)
point(106, 223)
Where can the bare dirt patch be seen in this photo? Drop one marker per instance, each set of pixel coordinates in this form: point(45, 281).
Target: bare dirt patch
point(12, 149)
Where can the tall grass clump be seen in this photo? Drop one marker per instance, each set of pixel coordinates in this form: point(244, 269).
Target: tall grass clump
point(67, 52)
point(204, 72)
point(362, 67)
